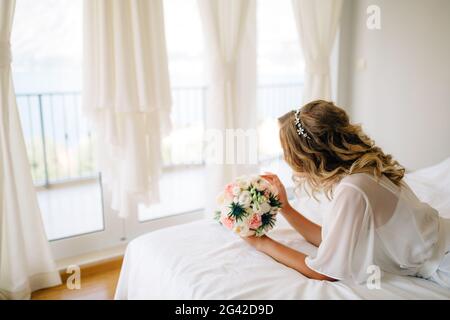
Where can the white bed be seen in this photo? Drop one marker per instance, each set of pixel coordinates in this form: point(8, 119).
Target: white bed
point(202, 260)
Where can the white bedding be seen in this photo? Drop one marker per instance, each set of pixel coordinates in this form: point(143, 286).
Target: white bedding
point(202, 260)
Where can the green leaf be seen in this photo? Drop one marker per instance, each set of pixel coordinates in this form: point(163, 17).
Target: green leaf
point(217, 216)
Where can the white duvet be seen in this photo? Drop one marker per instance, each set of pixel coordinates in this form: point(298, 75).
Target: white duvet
point(202, 260)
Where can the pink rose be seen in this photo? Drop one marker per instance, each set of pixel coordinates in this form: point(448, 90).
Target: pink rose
point(255, 221)
point(227, 222)
point(229, 190)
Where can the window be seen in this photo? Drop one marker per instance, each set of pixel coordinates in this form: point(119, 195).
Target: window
point(183, 175)
point(280, 68)
point(47, 51)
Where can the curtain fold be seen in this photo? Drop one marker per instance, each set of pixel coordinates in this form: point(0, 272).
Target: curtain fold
point(229, 28)
point(126, 93)
point(317, 23)
point(26, 262)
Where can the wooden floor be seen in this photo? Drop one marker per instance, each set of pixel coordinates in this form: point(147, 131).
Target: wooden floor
point(98, 282)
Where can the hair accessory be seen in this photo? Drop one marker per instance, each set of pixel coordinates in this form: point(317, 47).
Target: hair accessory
point(298, 124)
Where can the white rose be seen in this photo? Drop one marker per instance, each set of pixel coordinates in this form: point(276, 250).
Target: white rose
point(248, 233)
point(261, 208)
point(245, 199)
point(236, 190)
point(262, 199)
point(224, 211)
point(274, 211)
point(223, 200)
point(243, 183)
point(241, 229)
point(260, 184)
point(220, 198)
point(273, 190)
point(264, 208)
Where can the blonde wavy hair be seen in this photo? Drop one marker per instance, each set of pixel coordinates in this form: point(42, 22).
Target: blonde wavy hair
point(336, 148)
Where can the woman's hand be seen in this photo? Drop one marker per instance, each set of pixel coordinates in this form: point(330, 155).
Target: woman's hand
point(256, 242)
point(308, 229)
point(276, 182)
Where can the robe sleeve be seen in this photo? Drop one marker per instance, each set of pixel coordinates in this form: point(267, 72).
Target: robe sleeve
point(346, 250)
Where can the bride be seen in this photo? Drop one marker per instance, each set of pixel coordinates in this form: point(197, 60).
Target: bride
point(374, 220)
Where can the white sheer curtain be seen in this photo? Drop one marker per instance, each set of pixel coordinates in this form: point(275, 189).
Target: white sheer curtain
point(26, 263)
point(230, 33)
point(317, 22)
point(126, 91)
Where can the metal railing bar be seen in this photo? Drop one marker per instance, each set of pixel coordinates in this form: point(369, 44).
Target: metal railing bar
point(193, 87)
point(280, 85)
point(64, 183)
point(33, 147)
point(66, 138)
point(77, 131)
point(175, 88)
point(44, 147)
point(52, 93)
point(189, 111)
point(55, 157)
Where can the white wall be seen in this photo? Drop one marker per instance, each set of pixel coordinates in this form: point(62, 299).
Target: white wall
point(402, 97)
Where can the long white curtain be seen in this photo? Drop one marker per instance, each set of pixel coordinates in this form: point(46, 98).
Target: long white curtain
point(317, 22)
point(230, 35)
point(126, 92)
point(26, 263)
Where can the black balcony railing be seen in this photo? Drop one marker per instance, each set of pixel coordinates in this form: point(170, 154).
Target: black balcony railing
point(61, 145)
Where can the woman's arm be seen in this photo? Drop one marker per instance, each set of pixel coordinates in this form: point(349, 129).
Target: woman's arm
point(308, 229)
point(285, 255)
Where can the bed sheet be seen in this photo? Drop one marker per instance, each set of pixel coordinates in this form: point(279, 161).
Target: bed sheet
point(202, 260)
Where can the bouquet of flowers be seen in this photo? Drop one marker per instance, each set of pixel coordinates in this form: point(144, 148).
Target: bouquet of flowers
point(248, 206)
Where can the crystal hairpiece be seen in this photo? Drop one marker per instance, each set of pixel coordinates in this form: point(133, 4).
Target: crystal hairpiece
point(298, 124)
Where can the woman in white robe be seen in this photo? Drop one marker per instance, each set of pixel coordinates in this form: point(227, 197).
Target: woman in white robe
point(374, 222)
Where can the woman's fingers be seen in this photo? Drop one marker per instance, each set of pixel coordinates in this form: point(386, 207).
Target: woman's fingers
point(272, 178)
point(269, 175)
